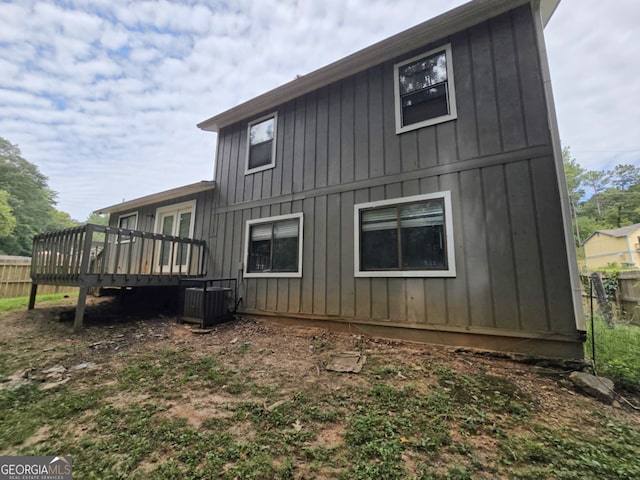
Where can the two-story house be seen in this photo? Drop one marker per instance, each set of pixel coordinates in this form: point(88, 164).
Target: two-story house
point(412, 190)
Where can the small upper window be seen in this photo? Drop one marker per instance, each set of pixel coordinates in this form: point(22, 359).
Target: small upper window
point(425, 91)
point(261, 144)
point(273, 246)
point(405, 237)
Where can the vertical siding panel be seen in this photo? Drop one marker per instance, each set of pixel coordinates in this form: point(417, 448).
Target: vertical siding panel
point(362, 284)
point(485, 93)
point(376, 128)
point(282, 302)
point(535, 113)
point(276, 172)
point(507, 84)
point(334, 159)
point(466, 127)
point(554, 259)
point(391, 140)
point(261, 283)
point(308, 256)
point(322, 138)
point(298, 145)
point(223, 183)
point(526, 247)
point(237, 246)
point(233, 166)
point(257, 184)
point(427, 147)
point(320, 256)
point(219, 247)
point(500, 249)
point(310, 134)
point(333, 254)
point(228, 244)
point(266, 178)
point(361, 135)
point(475, 240)
point(248, 186)
point(240, 164)
point(409, 151)
point(347, 135)
point(447, 142)
point(347, 290)
point(287, 147)
point(457, 288)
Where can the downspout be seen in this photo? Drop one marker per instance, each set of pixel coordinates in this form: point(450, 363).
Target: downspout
point(557, 155)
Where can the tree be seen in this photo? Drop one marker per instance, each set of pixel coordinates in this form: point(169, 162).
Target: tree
point(30, 198)
point(573, 173)
point(97, 219)
point(598, 181)
point(7, 220)
point(625, 176)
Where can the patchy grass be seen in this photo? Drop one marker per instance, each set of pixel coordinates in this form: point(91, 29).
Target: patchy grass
point(18, 303)
point(250, 401)
point(617, 351)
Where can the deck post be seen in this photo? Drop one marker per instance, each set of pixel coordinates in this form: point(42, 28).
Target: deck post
point(32, 296)
point(82, 300)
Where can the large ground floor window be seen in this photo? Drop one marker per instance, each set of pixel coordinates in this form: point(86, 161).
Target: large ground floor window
point(273, 246)
point(405, 237)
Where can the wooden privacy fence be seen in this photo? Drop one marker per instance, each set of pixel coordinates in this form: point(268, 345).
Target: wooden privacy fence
point(15, 279)
point(627, 294)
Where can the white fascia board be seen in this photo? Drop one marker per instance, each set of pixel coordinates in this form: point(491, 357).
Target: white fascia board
point(159, 197)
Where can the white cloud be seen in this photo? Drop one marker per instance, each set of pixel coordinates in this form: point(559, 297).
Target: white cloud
point(104, 95)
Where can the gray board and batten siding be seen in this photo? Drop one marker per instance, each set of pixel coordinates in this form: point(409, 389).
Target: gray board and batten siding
point(337, 147)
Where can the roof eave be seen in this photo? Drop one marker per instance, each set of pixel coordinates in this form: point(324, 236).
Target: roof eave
point(426, 32)
point(171, 194)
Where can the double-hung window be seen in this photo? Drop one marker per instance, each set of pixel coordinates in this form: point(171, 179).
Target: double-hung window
point(405, 237)
point(261, 144)
point(425, 90)
point(273, 246)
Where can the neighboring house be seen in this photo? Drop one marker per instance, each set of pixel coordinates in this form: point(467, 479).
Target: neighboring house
point(413, 190)
point(620, 246)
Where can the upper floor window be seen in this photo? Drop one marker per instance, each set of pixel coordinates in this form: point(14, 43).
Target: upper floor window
point(261, 144)
point(425, 90)
point(273, 246)
point(405, 237)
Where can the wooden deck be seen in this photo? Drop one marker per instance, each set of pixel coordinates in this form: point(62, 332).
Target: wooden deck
point(93, 256)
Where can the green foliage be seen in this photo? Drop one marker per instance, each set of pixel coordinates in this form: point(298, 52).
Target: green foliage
point(31, 201)
point(7, 220)
point(617, 351)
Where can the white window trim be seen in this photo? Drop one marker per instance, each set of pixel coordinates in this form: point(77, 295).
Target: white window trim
point(451, 88)
point(176, 206)
point(277, 218)
point(249, 171)
point(135, 226)
point(451, 257)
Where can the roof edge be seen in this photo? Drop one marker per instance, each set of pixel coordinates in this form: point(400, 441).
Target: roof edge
point(158, 197)
point(431, 30)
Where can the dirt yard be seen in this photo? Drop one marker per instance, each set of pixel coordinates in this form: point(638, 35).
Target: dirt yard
point(133, 397)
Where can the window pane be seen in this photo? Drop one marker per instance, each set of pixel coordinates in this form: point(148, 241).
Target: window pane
point(422, 232)
point(165, 249)
point(261, 132)
point(379, 239)
point(425, 104)
point(286, 229)
point(260, 155)
point(423, 73)
point(259, 255)
point(183, 231)
point(285, 254)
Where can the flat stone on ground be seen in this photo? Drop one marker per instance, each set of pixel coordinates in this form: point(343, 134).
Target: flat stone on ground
point(599, 387)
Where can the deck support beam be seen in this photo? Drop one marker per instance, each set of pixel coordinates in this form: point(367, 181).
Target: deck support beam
point(82, 301)
point(32, 296)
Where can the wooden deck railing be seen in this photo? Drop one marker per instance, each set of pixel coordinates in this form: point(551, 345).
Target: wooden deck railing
point(92, 254)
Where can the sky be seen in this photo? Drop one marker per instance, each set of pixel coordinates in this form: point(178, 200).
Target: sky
point(104, 95)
